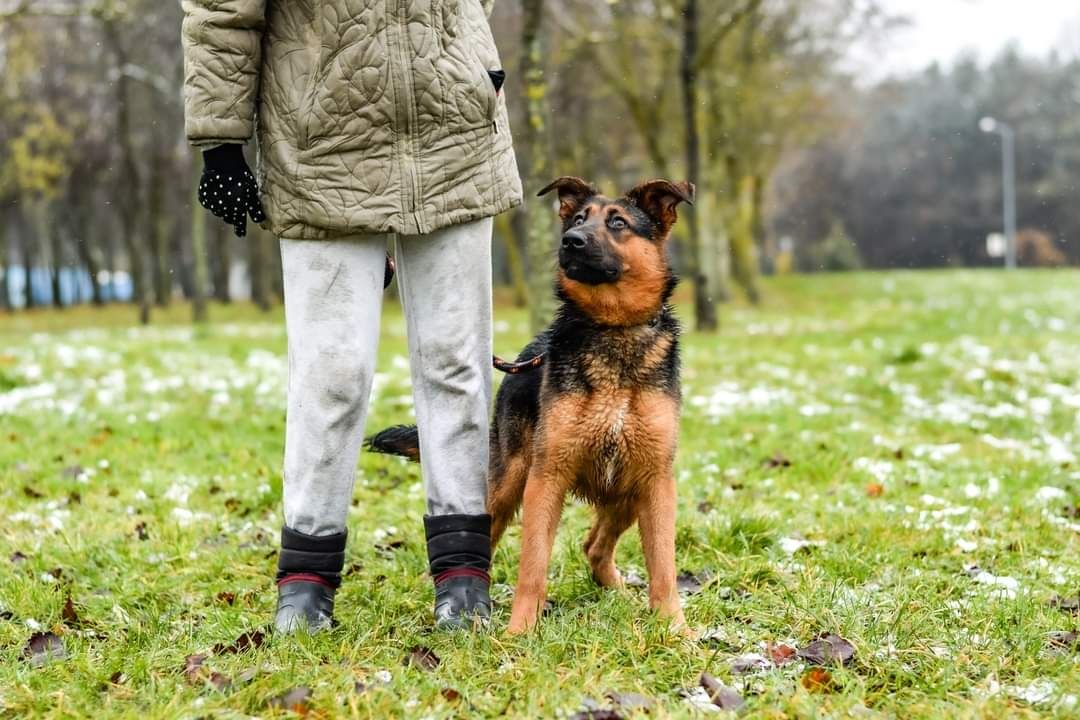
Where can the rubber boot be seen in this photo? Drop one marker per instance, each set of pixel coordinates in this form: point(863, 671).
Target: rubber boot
point(309, 573)
point(459, 553)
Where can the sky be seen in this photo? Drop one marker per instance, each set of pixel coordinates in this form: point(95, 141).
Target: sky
point(942, 29)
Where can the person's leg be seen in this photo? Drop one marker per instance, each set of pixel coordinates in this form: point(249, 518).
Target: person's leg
point(333, 298)
point(445, 283)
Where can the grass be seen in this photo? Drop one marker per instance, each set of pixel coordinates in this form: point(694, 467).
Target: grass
point(931, 422)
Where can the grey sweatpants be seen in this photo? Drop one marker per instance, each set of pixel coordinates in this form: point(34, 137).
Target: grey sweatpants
point(333, 300)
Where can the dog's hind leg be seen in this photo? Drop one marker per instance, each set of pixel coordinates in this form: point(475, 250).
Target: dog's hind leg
point(611, 523)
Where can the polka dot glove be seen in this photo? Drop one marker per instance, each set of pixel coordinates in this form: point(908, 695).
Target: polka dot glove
point(227, 187)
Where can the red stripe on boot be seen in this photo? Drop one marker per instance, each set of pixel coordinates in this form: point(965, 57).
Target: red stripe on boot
point(304, 577)
point(462, 572)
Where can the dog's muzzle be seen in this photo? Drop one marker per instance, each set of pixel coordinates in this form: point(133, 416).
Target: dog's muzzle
point(585, 260)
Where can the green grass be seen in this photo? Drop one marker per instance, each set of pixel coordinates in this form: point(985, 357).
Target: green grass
point(957, 393)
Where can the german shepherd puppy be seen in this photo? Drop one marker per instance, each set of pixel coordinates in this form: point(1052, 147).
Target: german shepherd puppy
point(597, 415)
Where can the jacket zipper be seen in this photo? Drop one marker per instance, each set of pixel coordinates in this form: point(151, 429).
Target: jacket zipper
point(409, 159)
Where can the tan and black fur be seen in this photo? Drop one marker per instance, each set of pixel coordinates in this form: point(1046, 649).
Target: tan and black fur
point(599, 417)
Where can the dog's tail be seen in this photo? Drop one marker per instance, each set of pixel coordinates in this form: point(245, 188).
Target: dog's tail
point(401, 440)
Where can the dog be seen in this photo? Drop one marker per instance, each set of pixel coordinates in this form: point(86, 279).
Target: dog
point(591, 406)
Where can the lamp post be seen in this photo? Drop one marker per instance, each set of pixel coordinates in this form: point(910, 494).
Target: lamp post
point(1008, 182)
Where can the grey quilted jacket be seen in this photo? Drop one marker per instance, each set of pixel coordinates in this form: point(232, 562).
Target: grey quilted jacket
point(370, 115)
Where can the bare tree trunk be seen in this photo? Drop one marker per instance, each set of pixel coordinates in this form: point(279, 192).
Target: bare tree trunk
point(222, 263)
point(56, 251)
point(128, 200)
point(257, 269)
point(506, 230)
point(198, 256)
point(159, 231)
point(89, 259)
point(539, 219)
point(6, 252)
point(743, 251)
point(705, 300)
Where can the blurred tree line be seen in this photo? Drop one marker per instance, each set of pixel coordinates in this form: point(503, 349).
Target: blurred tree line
point(97, 183)
point(906, 178)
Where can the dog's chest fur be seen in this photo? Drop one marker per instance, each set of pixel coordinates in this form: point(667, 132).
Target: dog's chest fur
point(617, 403)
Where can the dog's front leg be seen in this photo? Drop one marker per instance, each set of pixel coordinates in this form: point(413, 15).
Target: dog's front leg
point(542, 507)
point(656, 520)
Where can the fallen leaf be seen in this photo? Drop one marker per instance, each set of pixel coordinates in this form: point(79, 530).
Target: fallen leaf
point(829, 649)
point(1065, 604)
point(749, 663)
point(68, 614)
point(875, 490)
point(193, 668)
point(246, 641)
point(691, 584)
point(631, 701)
point(295, 700)
point(219, 681)
point(43, 647)
point(1062, 639)
point(597, 714)
point(817, 680)
point(778, 460)
point(226, 597)
point(721, 695)
point(32, 493)
point(450, 694)
point(423, 658)
point(248, 675)
point(117, 678)
point(781, 654)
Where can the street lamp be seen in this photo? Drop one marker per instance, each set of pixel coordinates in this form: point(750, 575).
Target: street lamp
point(1008, 182)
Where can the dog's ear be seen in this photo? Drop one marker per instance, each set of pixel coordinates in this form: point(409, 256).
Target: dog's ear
point(659, 198)
point(573, 192)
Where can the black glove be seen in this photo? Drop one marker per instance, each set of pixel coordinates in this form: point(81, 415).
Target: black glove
point(227, 187)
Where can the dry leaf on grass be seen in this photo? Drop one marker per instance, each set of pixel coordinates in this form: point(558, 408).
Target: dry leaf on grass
point(781, 654)
point(69, 614)
point(817, 680)
point(692, 583)
point(1069, 604)
point(721, 695)
point(247, 641)
point(829, 649)
point(631, 701)
point(44, 647)
point(295, 700)
point(875, 489)
point(778, 460)
point(597, 714)
point(423, 658)
point(750, 663)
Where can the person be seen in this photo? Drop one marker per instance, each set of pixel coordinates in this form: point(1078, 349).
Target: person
point(375, 121)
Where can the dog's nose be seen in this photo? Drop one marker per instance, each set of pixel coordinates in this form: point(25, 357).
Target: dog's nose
point(574, 239)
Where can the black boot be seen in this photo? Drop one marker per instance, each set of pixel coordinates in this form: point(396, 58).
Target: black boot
point(459, 550)
point(309, 573)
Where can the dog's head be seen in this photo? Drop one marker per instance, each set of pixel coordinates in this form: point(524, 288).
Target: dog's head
point(612, 260)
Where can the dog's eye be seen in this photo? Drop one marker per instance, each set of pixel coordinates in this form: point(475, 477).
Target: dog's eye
point(617, 223)
point(579, 220)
